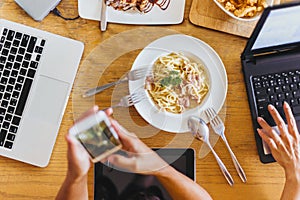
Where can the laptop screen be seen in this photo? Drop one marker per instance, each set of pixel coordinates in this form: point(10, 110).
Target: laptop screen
point(281, 27)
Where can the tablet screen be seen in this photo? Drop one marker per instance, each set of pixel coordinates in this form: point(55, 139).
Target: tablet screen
point(111, 184)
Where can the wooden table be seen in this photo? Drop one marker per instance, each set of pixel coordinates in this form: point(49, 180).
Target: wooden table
point(22, 181)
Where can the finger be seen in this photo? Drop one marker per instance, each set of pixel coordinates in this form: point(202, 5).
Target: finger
point(91, 111)
point(267, 139)
point(264, 125)
point(292, 127)
point(123, 133)
point(278, 120)
point(108, 111)
point(122, 162)
point(269, 130)
point(71, 140)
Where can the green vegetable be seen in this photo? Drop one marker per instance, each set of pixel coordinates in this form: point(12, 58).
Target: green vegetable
point(173, 79)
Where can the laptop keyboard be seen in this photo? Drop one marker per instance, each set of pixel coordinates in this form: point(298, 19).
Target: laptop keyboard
point(274, 89)
point(19, 59)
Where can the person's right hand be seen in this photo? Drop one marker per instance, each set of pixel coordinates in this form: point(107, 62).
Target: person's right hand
point(284, 147)
point(140, 158)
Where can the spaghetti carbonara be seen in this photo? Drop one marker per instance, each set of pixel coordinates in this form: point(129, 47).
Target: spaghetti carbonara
point(177, 83)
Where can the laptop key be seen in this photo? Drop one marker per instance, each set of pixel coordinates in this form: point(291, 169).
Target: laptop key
point(2, 39)
point(21, 51)
point(3, 134)
point(16, 43)
point(20, 79)
point(16, 94)
point(31, 45)
point(2, 88)
point(5, 125)
point(294, 102)
point(17, 65)
point(25, 64)
point(3, 80)
point(23, 96)
point(7, 96)
point(13, 102)
point(11, 137)
point(18, 87)
point(43, 43)
point(296, 110)
point(5, 52)
point(9, 88)
point(5, 31)
point(2, 111)
point(8, 65)
point(10, 35)
point(25, 40)
point(16, 120)
point(7, 44)
point(13, 50)
point(34, 64)
point(31, 73)
point(10, 109)
point(4, 104)
point(13, 129)
point(23, 72)
point(8, 117)
point(19, 58)
point(8, 144)
point(18, 35)
point(2, 59)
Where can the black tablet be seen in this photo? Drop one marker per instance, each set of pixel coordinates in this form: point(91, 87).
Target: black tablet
point(112, 184)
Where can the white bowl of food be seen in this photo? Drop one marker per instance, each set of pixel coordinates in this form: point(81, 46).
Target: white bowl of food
point(244, 10)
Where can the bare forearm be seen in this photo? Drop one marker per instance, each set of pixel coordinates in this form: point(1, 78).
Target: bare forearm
point(179, 186)
point(291, 189)
point(73, 189)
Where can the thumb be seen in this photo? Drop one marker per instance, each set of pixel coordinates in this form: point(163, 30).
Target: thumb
point(122, 162)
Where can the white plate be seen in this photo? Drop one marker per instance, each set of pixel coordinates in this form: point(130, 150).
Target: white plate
point(177, 123)
point(90, 9)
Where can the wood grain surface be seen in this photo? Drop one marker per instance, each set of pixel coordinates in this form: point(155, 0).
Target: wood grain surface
point(100, 64)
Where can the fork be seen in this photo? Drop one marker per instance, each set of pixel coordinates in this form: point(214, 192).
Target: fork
point(130, 100)
point(130, 76)
point(219, 128)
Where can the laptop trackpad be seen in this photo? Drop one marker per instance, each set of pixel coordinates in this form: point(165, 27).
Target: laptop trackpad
point(49, 100)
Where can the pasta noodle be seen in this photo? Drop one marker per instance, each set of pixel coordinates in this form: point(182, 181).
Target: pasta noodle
point(177, 83)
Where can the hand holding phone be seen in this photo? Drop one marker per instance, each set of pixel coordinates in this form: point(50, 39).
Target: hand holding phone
point(96, 135)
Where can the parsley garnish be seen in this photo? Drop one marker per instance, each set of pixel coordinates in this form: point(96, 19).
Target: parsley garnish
point(173, 79)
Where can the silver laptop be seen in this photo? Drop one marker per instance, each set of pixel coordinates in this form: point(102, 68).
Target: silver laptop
point(37, 70)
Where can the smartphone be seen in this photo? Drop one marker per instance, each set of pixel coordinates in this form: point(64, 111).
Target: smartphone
point(97, 136)
point(38, 9)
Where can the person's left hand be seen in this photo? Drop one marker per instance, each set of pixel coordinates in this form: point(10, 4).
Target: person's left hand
point(78, 159)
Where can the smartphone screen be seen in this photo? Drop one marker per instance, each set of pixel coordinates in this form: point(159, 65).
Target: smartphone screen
point(99, 141)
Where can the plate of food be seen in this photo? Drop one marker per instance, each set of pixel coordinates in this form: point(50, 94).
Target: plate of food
point(186, 77)
point(244, 10)
point(135, 11)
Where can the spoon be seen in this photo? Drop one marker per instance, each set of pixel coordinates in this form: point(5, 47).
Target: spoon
point(200, 131)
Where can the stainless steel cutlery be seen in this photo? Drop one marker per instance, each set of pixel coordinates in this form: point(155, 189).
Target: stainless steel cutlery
point(130, 76)
point(219, 128)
